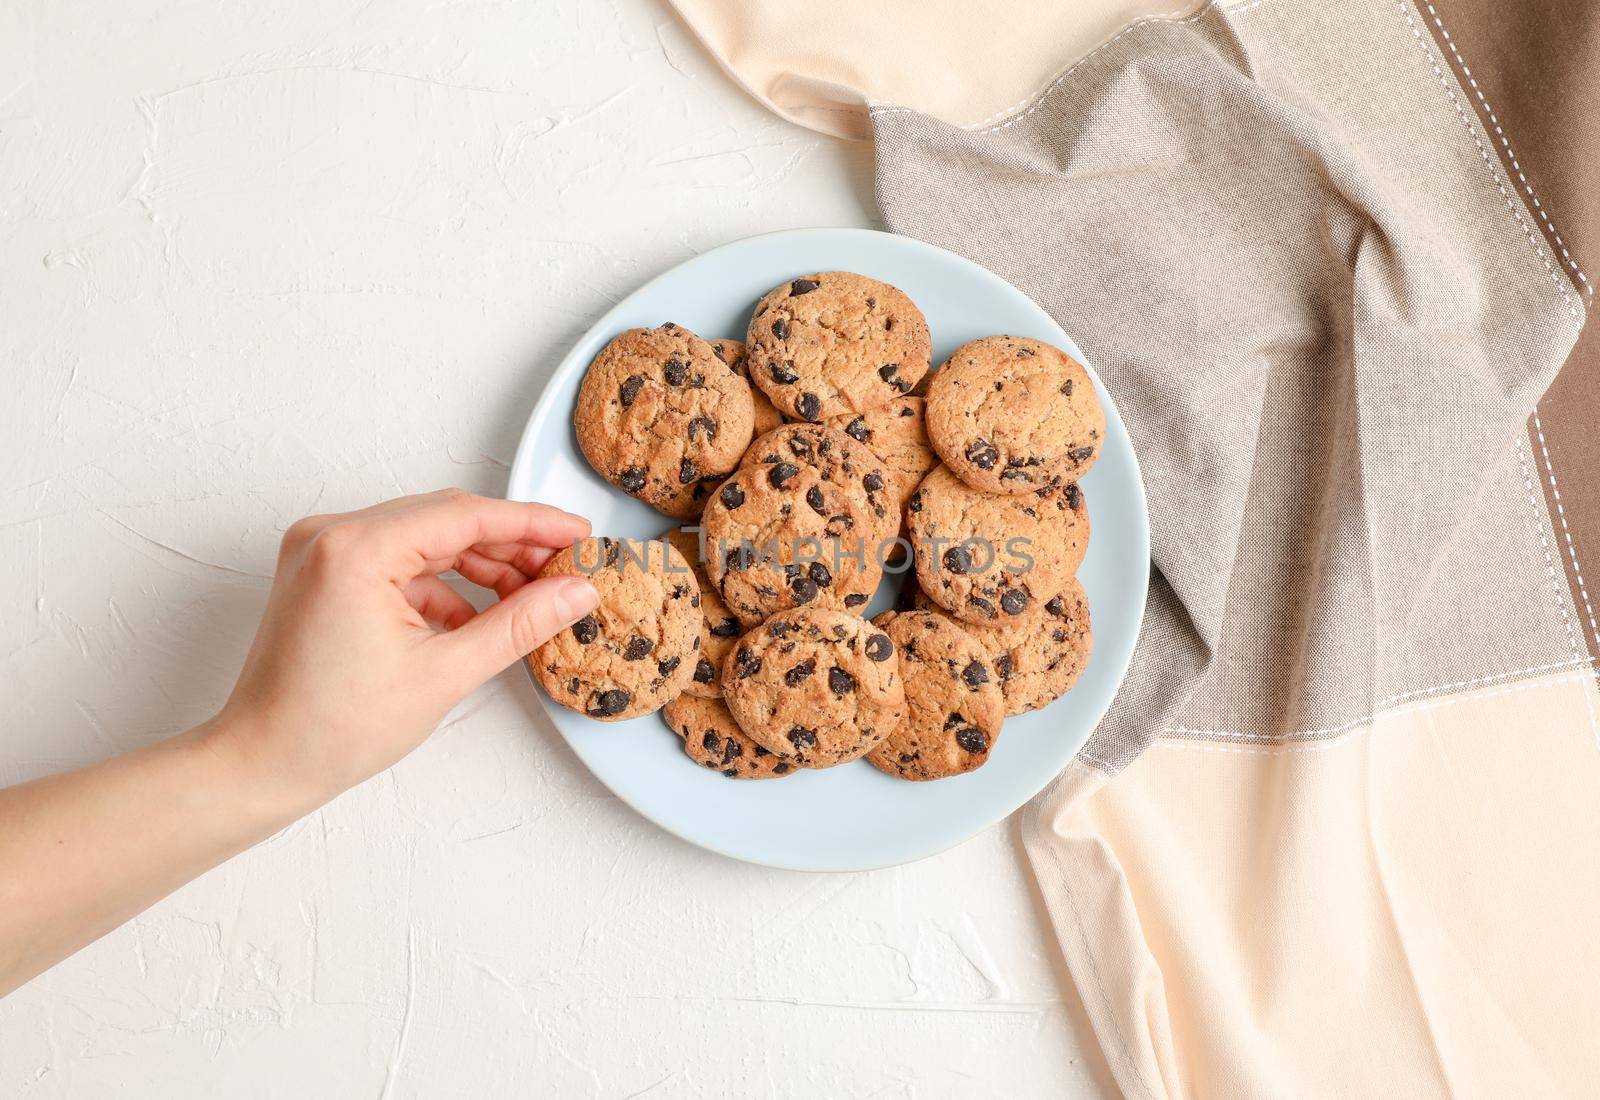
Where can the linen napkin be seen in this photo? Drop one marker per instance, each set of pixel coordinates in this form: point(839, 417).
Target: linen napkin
point(1338, 834)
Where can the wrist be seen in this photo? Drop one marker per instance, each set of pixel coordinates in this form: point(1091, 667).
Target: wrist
point(236, 747)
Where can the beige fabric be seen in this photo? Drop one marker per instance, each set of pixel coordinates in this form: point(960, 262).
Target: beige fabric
point(820, 63)
point(1361, 857)
point(1394, 913)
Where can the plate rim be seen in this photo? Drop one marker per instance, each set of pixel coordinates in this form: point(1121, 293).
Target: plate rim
point(544, 406)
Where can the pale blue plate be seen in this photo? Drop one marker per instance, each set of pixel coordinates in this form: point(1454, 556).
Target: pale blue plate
point(851, 817)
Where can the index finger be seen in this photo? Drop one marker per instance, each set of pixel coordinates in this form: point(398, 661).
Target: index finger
point(441, 527)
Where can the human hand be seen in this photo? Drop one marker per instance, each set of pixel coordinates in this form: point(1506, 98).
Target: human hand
point(363, 649)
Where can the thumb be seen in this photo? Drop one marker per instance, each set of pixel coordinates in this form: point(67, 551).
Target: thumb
point(520, 624)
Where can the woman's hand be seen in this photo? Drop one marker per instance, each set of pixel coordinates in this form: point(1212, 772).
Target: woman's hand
point(363, 648)
point(361, 652)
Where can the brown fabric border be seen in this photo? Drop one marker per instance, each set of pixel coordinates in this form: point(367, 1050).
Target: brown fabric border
point(1533, 73)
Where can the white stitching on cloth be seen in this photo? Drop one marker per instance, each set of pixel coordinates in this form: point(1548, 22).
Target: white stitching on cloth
point(1544, 543)
point(1579, 678)
point(1424, 43)
point(1572, 553)
point(1043, 94)
point(1561, 513)
point(1576, 662)
point(1511, 156)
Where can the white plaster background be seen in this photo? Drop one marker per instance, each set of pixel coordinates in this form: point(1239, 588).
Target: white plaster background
point(264, 258)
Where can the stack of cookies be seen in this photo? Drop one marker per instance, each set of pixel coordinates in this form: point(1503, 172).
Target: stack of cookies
point(804, 465)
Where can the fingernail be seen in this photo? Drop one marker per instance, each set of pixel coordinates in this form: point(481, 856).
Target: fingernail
point(574, 598)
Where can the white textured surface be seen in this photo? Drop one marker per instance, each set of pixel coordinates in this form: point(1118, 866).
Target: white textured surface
point(259, 259)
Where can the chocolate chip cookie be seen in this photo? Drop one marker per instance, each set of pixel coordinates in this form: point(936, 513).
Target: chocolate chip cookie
point(720, 627)
point(953, 703)
point(986, 556)
point(836, 342)
point(732, 352)
point(799, 524)
point(1037, 657)
point(662, 418)
point(637, 650)
point(820, 687)
point(898, 435)
point(1012, 415)
point(714, 740)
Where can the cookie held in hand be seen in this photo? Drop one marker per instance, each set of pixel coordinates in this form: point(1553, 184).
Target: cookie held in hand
point(637, 650)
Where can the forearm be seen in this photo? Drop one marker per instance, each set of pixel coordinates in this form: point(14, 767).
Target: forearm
point(81, 853)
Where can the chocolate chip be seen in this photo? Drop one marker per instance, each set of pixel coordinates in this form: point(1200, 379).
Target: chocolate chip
point(808, 406)
point(840, 682)
point(915, 503)
point(731, 749)
point(687, 472)
point(1013, 601)
point(975, 675)
point(781, 473)
point(586, 630)
point(630, 389)
point(1066, 388)
point(800, 673)
point(780, 628)
point(732, 496)
point(1058, 635)
point(712, 741)
point(982, 454)
point(888, 371)
point(814, 498)
point(604, 704)
point(855, 599)
point(746, 664)
point(1002, 665)
point(702, 425)
point(879, 647)
point(780, 768)
point(857, 430)
point(1056, 607)
point(727, 628)
point(780, 329)
point(1074, 496)
point(957, 560)
point(737, 559)
point(631, 479)
point(716, 349)
point(802, 286)
point(982, 605)
point(973, 740)
point(668, 666)
point(638, 648)
point(1080, 454)
point(802, 738)
point(872, 483)
point(704, 672)
point(804, 589)
point(820, 574)
point(782, 374)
